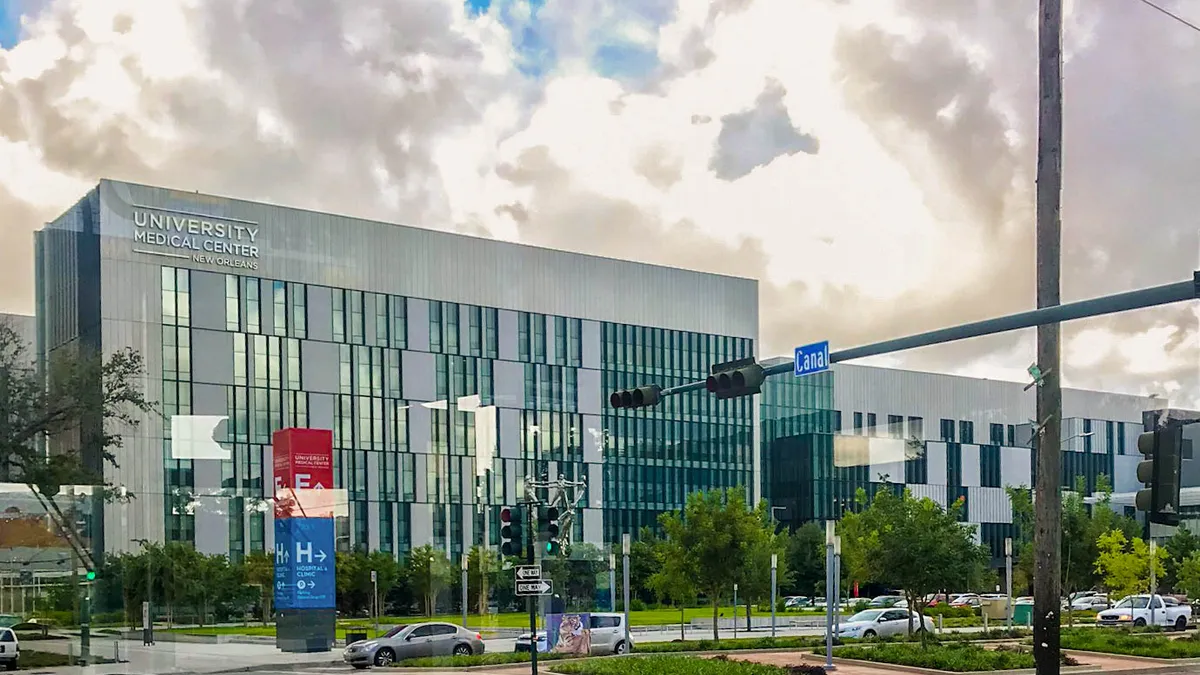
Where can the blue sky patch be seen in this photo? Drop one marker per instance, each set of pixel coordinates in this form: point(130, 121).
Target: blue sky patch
point(10, 27)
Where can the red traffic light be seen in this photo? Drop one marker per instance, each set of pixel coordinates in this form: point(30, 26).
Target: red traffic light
point(506, 515)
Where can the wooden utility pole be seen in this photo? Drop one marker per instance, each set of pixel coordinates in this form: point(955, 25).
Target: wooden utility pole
point(1048, 429)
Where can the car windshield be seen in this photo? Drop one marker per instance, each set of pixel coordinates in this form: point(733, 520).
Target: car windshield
point(866, 615)
point(395, 631)
point(1135, 601)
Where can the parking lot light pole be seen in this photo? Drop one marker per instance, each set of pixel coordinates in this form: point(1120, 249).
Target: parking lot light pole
point(837, 583)
point(464, 589)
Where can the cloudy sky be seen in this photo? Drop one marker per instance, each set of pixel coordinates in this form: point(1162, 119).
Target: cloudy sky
point(871, 162)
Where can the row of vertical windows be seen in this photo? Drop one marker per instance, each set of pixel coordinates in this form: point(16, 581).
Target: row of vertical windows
point(176, 297)
point(372, 319)
point(661, 351)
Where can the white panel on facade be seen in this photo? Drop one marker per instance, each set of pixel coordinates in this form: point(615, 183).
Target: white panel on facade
point(935, 463)
point(551, 347)
point(508, 384)
point(418, 324)
point(593, 439)
point(420, 429)
point(468, 526)
point(1125, 468)
point(1016, 467)
point(591, 397)
point(421, 516)
point(418, 375)
point(510, 433)
point(373, 524)
point(937, 493)
point(421, 472)
point(319, 313)
point(988, 505)
point(593, 527)
point(373, 483)
point(595, 486)
point(507, 335)
point(970, 465)
point(591, 344)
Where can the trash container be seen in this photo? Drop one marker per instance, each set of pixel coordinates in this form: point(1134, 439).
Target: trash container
point(995, 609)
point(355, 636)
point(1023, 614)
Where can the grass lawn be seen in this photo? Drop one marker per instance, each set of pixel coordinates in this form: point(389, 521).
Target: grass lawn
point(955, 657)
point(31, 659)
point(1113, 641)
point(665, 665)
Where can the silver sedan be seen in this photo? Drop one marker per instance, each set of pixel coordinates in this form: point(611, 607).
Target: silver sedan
point(412, 642)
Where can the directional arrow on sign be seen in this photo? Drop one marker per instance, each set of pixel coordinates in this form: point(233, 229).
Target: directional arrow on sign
point(321, 556)
point(527, 572)
point(318, 486)
point(539, 587)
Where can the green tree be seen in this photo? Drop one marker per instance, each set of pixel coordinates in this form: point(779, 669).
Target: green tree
point(429, 573)
point(1188, 575)
point(754, 576)
point(910, 543)
point(643, 563)
point(260, 573)
point(714, 534)
point(482, 564)
point(1124, 564)
point(1180, 548)
point(674, 582)
point(79, 400)
point(806, 559)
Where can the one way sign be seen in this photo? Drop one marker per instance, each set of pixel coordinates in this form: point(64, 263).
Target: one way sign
point(539, 587)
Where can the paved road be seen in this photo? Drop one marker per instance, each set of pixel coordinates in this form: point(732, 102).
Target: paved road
point(188, 657)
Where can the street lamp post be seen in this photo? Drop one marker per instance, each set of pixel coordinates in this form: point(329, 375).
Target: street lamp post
point(625, 545)
point(837, 583)
point(147, 607)
point(830, 526)
point(735, 606)
point(774, 566)
point(612, 581)
point(1008, 580)
point(464, 590)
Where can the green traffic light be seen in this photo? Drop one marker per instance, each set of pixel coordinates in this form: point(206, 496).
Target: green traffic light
point(91, 576)
point(550, 547)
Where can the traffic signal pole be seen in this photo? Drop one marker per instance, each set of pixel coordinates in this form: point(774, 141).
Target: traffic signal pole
point(533, 636)
point(1110, 304)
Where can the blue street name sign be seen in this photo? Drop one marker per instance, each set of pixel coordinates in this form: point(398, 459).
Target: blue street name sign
point(812, 358)
point(304, 563)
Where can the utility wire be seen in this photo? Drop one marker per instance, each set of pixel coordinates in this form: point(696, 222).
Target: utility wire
point(1180, 19)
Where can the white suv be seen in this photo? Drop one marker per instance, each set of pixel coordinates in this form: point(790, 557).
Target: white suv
point(10, 649)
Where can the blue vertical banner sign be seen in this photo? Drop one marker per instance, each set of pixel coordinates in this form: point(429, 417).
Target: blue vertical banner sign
point(304, 564)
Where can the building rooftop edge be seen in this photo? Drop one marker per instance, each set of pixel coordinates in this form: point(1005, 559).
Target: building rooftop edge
point(449, 233)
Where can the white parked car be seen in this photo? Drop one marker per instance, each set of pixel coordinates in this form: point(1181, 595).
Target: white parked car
point(1094, 602)
point(1135, 610)
point(411, 642)
point(873, 623)
point(10, 649)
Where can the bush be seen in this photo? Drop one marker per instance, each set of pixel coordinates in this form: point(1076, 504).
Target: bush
point(960, 657)
point(796, 642)
point(668, 665)
point(636, 605)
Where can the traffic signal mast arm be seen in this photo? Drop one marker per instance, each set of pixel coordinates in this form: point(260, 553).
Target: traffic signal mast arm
point(1109, 304)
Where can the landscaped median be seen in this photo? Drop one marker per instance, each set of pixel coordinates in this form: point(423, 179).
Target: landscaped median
point(958, 657)
point(676, 665)
point(1128, 643)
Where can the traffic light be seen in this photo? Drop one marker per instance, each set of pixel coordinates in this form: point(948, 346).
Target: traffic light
point(510, 532)
point(548, 529)
point(743, 377)
point(640, 397)
point(1163, 449)
point(91, 575)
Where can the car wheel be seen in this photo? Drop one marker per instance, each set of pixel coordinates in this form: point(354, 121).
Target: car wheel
point(11, 665)
point(870, 635)
point(359, 666)
point(462, 650)
point(385, 657)
point(1139, 623)
point(621, 648)
point(1181, 623)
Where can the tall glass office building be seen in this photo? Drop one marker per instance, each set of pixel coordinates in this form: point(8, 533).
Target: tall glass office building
point(448, 367)
point(940, 436)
